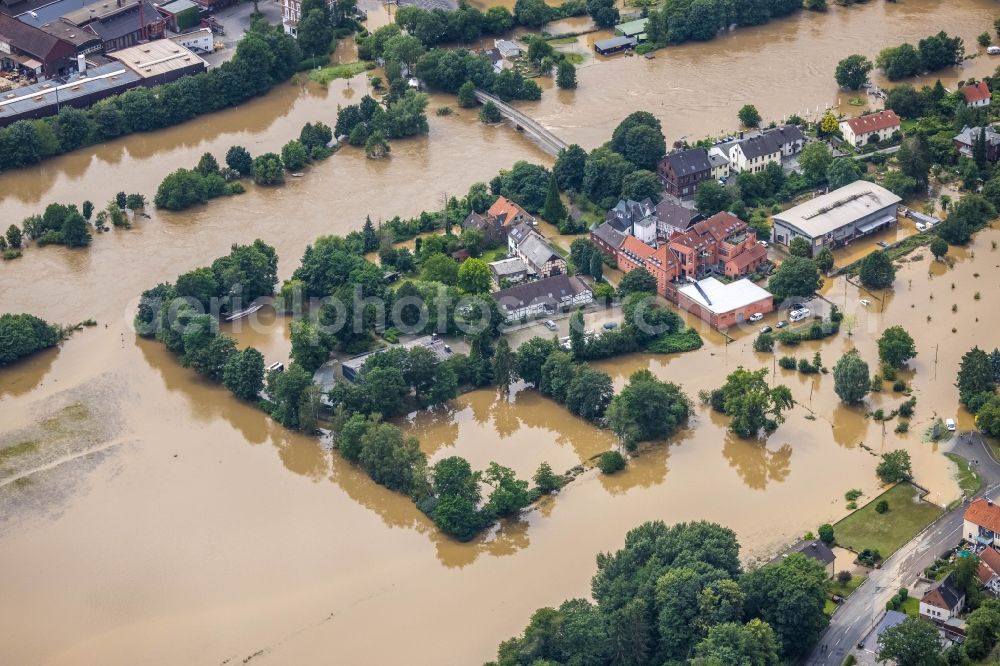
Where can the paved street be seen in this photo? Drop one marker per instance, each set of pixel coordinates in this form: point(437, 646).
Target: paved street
point(862, 610)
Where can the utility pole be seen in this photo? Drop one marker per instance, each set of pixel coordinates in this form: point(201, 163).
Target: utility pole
point(935, 359)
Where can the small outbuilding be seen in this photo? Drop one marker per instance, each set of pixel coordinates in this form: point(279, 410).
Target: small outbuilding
point(615, 45)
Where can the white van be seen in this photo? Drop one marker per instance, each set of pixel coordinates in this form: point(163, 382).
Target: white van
point(798, 315)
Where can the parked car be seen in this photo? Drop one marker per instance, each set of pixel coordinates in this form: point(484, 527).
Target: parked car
point(865, 302)
point(551, 325)
point(881, 243)
point(798, 315)
point(762, 243)
point(756, 316)
point(765, 329)
point(920, 226)
point(610, 325)
point(796, 306)
point(783, 323)
point(950, 425)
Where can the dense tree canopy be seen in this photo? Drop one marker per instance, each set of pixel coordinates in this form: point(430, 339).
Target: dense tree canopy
point(24, 334)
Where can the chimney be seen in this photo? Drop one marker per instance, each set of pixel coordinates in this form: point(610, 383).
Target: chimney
point(81, 63)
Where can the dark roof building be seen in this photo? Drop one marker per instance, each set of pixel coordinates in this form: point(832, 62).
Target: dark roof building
point(760, 145)
point(85, 41)
point(966, 141)
point(945, 597)
point(546, 295)
point(627, 212)
point(120, 24)
point(608, 239)
point(681, 171)
point(672, 216)
point(20, 44)
point(615, 45)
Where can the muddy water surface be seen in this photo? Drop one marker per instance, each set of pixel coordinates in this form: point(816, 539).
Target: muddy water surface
point(204, 533)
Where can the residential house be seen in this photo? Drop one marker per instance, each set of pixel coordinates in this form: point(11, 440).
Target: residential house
point(942, 602)
point(33, 51)
point(672, 217)
point(547, 296)
point(491, 228)
point(789, 138)
point(754, 153)
point(989, 570)
point(724, 305)
point(507, 48)
point(723, 243)
point(815, 549)
point(291, 12)
point(120, 24)
point(870, 128)
point(637, 218)
point(719, 161)
point(512, 270)
point(508, 213)
point(499, 62)
point(981, 523)
point(977, 94)
point(682, 170)
point(965, 142)
point(529, 245)
point(607, 238)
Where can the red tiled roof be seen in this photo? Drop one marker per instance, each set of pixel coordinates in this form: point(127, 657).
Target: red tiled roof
point(976, 92)
point(985, 514)
point(507, 209)
point(873, 122)
point(713, 230)
point(656, 257)
point(751, 255)
point(991, 558)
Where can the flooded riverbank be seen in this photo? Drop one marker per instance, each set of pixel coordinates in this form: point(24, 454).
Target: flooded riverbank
point(204, 533)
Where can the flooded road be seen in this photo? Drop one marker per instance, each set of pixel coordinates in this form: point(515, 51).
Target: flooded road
point(186, 527)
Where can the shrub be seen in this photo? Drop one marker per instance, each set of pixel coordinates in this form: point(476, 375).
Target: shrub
point(882, 506)
point(611, 462)
point(844, 577)
point(852, 494)
point(899, 386)
point(906, 409)
point(787, 362)
point(903, 426)
point(869, 557)
point(826, 533)
point(764, 343)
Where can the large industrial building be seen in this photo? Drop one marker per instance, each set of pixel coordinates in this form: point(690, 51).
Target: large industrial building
point(837, 218)
point(147, 65)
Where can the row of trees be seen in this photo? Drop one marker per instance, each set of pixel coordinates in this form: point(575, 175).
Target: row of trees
point(674, 594)
point(679, 21)
point(851, 377)
point(931, 54)
point(23, 334)
point(264, 57)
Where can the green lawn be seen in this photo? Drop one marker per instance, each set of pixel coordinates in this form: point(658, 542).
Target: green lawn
point(833, 587)
point(968, 480)
point(865, 528)
point(911, 607)
point(325, 75)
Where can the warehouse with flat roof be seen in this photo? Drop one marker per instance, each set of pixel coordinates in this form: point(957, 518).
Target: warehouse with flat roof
point(835, 219)
point(724, 304)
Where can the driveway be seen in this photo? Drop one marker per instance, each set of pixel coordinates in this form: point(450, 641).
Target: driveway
point(861, 612)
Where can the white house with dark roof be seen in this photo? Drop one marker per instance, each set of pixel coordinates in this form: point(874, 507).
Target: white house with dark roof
point(754, 153)
point(529, 245)
point(789, 138)
point(942, 602)
point(539, 297)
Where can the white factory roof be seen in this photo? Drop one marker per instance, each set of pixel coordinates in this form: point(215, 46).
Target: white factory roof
point(724, 298)
point(841, 207)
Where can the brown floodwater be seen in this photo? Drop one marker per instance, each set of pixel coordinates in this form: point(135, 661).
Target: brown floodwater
point(199, 531)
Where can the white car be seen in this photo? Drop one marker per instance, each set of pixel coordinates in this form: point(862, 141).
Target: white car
point(865, 302)
point(551, 325)
point(798, 315)
point(762, 243)
point(920, 226)
point(950, 425)
point(756, 316)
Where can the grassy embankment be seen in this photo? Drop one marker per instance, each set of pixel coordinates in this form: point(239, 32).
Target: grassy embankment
point(886, 532)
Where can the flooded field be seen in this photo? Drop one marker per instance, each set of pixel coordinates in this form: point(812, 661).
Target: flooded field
point(182, 526)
